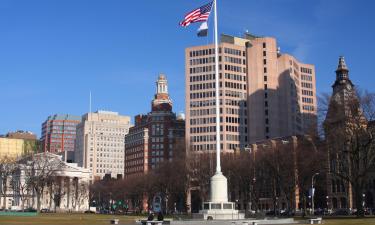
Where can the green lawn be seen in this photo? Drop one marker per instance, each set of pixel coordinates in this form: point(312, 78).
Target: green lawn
point(349, 221)
point(96, 219)
point(66, 219)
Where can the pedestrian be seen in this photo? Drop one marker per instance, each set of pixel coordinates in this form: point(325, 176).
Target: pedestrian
point(150, 216)
point(160, 216)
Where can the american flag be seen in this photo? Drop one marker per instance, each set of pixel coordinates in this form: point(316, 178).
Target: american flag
point(197, 15)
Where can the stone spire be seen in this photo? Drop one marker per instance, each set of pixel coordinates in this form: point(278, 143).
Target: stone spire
point(342, 73)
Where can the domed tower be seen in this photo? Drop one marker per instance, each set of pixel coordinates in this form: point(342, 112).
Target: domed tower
point(161, 101)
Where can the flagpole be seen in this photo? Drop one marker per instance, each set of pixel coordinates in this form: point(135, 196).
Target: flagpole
point(218, 166)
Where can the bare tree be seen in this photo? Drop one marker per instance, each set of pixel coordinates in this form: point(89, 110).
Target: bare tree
point(38, 172)
point(351, 140)
point(7, 167)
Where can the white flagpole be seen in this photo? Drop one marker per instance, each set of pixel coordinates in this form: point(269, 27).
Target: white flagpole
point(90, 103)
point(218, 166)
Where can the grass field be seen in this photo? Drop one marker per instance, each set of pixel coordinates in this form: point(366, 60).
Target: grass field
point(96, 219)
point(66, 219)
point(349, 221)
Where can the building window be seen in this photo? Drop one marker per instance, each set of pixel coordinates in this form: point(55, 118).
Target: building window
point(264, 61)
point(264, 45)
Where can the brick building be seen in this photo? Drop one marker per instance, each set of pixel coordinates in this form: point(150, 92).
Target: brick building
point(155, 137)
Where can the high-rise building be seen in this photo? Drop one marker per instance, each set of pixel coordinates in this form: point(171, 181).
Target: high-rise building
point(59, 134)
point(100, 143)
point(263, 93)
point(156, 137)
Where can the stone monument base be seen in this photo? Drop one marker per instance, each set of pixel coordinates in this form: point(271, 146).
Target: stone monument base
point(219, 211)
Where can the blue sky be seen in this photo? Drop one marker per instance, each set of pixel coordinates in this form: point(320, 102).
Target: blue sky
point(53, 52)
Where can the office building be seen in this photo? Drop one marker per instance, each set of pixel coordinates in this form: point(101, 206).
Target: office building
point(59, 134)
point(156, 137)
point(263, 93)
point(100, 143)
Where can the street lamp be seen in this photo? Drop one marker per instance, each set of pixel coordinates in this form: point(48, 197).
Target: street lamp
point(363, 200)
point(312, 193)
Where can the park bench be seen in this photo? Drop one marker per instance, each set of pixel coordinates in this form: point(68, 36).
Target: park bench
point(246, 223)
point(114, 221)
point(315, 220)
point(155, 222)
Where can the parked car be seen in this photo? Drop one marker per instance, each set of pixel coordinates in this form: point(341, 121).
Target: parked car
point(45, 210)
point(29, 210)
point(89, 212)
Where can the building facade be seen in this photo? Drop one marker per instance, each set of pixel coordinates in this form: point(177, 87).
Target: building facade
point(20, 134)
point(344, 122)
point(100, 143)
point(11, 148)
point(263, 93)
point(65, 185)
point(156, 137)
point(59, 134)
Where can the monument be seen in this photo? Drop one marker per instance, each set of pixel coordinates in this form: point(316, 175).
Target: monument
point(218, 207)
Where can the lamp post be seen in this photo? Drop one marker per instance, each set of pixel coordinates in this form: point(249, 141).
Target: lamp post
point(312, 193)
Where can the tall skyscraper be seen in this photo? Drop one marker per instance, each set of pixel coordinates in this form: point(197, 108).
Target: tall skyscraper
point(156, 137)
point(59, 134)
point(100, 143)
point(263, 93)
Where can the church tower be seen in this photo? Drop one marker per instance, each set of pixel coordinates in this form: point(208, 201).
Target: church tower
point(161, 101)
point(338, 127)
point(343, 95)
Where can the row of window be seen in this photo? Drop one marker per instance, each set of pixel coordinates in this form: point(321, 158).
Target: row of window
point(237, 69)
point(235, 94)
point(234, 60)
point(307, 85)
point(235, 85)
point(203, 69)
point(203, 112)
point(234, 77)
point(308, 107)
point(306, 77)
point(306, 70)
point(204, 138)
point(201, 86)
point(203, 103)
point(203, 52)
point(233, 51)
point(233, 102)
point(206, 94)
point(307, 100)
point(205, 129)
point(205, 120)
point(206, 147)
point(307, 92)
point(204, 77)
point(202, 61)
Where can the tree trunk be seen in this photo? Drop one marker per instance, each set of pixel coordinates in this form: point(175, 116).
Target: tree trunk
point(38, 201)
point(5, 181)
